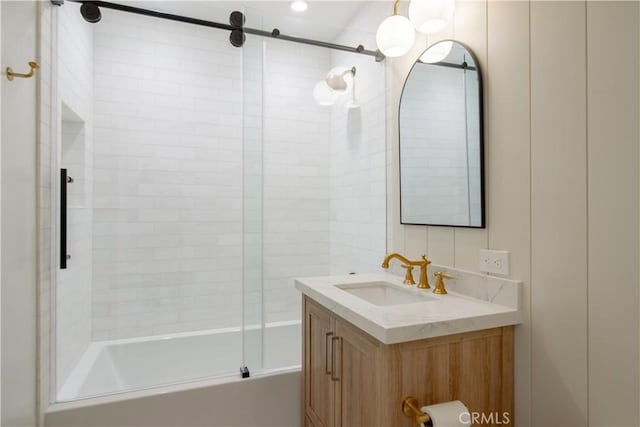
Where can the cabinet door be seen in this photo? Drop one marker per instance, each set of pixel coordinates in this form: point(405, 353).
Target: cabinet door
point(356, 378)
point(318, 387)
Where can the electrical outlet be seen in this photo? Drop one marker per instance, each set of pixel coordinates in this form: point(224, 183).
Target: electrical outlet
point(494, 261)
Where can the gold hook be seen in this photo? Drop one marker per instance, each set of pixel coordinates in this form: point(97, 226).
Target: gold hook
point(11, 74)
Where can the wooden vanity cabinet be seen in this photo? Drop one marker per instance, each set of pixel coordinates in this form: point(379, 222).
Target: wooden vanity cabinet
point(318, 385)
point(353, 380)
point(342, 371)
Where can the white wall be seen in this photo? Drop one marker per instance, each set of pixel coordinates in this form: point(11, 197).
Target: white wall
point(612, 152)
point(562, 173)
point(74, 151)
point(19, 218)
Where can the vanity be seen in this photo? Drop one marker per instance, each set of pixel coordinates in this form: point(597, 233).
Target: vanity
point(370, 341)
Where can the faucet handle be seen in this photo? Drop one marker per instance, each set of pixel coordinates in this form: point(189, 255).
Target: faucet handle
point(440, 290)
point(408, 278)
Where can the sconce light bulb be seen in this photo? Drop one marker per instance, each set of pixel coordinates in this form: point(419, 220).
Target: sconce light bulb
point(323, 94)
point(395, 36)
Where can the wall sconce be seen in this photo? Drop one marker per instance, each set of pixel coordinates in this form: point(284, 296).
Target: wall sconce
point(396, 34)
point(326, 92)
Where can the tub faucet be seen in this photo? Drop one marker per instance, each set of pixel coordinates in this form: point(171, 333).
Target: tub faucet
point(408, 264)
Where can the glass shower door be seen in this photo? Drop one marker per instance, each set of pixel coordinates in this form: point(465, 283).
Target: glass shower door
point(150, 130)
point(252, 195)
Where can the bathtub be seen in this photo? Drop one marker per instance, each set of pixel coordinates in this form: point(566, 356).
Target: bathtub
point(116, 382)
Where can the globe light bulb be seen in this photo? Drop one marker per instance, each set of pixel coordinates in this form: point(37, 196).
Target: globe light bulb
point(395, 36)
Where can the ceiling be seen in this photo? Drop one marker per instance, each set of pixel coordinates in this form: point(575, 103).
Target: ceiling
point(323, 20)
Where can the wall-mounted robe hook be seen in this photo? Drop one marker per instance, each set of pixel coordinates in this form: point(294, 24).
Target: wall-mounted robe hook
point(11, 74)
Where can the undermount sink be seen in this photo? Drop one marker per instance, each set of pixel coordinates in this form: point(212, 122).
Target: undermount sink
point(384, 293)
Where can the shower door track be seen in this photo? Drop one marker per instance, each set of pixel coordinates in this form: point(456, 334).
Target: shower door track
point(236, 28)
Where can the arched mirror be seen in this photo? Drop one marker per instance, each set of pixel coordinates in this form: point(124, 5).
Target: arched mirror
point(441, 139)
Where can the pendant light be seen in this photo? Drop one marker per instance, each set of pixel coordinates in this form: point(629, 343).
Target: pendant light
point(395, 35)
point(431, 16)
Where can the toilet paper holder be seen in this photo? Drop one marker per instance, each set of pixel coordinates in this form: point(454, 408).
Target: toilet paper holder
point(411, 409)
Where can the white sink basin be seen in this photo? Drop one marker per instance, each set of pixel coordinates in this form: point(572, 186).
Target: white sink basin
point(384, 293)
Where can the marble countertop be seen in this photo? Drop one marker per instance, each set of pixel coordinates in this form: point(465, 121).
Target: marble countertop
point(495, 302)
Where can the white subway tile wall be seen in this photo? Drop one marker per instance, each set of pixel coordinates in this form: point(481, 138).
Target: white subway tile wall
point(169, 171)
point(212, 165)
point(358, 165)
point(252, 192)
point(296, 175)
point(168, 178)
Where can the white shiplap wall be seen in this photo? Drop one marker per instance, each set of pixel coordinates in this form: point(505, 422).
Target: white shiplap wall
point(561, 152)
point(612, 151)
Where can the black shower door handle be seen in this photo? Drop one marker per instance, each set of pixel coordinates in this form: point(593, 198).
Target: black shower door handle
point(64, 180)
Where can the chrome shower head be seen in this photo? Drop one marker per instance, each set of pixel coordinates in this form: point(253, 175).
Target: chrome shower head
point(90, 12)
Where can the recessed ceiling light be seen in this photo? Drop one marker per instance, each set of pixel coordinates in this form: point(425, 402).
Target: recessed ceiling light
point(299, 5)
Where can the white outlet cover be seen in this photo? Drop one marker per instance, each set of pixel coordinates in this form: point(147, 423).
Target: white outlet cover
point(493, 261)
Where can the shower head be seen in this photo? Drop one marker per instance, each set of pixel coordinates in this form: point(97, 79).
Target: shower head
point(336, 80)
point(90, 12)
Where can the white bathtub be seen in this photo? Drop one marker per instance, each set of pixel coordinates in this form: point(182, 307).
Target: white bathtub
point(172, 372)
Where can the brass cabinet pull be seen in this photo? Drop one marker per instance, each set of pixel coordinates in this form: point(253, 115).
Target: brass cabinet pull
point(326, 353)
point(333, 359)
point(11, 74)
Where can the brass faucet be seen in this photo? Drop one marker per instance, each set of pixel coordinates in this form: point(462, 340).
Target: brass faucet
point(408, 264)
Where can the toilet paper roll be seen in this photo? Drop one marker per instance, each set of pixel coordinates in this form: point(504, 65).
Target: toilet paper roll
point(448, 414)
